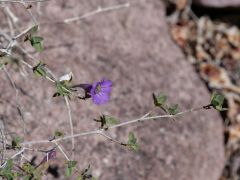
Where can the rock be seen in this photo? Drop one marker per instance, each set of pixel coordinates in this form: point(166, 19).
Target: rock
point(218, 3)
point(132, 47)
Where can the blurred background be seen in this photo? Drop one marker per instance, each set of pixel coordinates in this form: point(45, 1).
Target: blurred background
point(208, 33)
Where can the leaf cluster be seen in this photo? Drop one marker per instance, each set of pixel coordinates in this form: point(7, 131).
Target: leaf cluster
point(62, 89)
point(16, 142)
point(107, 121)
point(70, 168)
point(160, 101)
point(35, 41)
point(40, 70)
point(7, 171)
point(30, 172)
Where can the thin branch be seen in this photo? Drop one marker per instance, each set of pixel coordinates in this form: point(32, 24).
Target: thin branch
point(3, 142)
point(99, 131)
point(52, 78)
point(10, 19)
point(26, 64)
point(94, 12)
point(36, 150)
point(145, 115)
point(11, 14)
point(70, 123)
point(61, 150)
point(17, 99)
point(36, 142)
point(24, 157)
point(111, 139)
point(23, 33)
point(60, 139)
point(12, 157)
point(29, 12)
point(155, 117)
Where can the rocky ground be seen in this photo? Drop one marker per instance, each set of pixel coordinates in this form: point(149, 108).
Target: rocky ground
point(132, 47)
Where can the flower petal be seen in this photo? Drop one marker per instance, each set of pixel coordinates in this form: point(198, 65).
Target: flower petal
point(106, 86)
point(106, 82)
point(94, 87)
point(100, 98)
point(100, 91)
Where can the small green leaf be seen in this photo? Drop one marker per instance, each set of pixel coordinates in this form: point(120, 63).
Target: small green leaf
point(36, 174)
point(217, 101)
point(30, 171)
point(39, 69)
point(132, 142)
point(28, 168)
point(58, 134)
point(9, 164)
point(62, 89)
point(131, 138)
point(109, 121)
point(7, 172)
point(34, 29)
point(69, 172)
point(135, 147)
point(38, 47)
point(36, 42)
point(36, 39)
point(16, 142)
point(173, 110)
point(159, 100)
point(70, 167)
point(80, 177)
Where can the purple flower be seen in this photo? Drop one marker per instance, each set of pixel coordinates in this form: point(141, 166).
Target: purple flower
point(98, 91)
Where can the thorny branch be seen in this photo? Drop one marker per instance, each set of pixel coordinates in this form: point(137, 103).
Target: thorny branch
point(101, 131)
point(51, 77)
point(13, 42)
point(97, 11)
